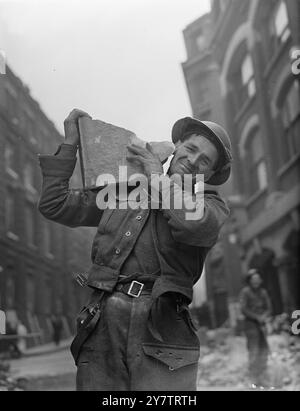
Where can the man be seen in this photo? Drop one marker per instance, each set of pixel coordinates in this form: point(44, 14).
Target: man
point(256, 307)
point(136, 333)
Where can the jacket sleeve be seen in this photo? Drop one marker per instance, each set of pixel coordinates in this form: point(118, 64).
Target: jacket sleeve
point(200, 232)
point(59, 203)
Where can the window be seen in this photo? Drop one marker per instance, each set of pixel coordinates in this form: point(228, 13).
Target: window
point(11, 99)
point(290, 114)
point(200, 40)
point(10, 212)
point(257, 169)
point(280, 31)
point(242, 80)
point(282, 22)
point(31, 127)
point(219, 7)
point(10, 158)
point(30, 293)
point(248, 79)
point(30, 224)
point(29, 177)
point(10, 291)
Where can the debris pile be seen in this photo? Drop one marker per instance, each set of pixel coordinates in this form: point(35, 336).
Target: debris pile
point(6, 382)
point(224, 362)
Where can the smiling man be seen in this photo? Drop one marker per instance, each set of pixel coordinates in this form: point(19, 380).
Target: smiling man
point(135, 332)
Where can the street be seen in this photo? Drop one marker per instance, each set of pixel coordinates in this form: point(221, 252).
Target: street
point(48, 372)
point(222, 367)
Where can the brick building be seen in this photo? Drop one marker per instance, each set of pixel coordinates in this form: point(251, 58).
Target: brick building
point(249, 45)
point(37, 258)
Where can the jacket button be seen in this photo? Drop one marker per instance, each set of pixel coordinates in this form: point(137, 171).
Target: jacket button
point(139, 217)
point(118, 251)
point(128, 234)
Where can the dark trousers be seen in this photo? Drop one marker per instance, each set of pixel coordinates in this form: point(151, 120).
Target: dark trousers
point(258, 349)
point(116, 358)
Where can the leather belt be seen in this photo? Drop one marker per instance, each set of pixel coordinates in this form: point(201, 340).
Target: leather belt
point(134, 289)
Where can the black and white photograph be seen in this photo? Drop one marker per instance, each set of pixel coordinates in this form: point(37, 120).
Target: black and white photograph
point(150, 198)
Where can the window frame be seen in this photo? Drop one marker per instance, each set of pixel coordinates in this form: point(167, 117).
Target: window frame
point(29, 206)
point(278, 39)
point(289, 135)
point(9, 168)
point(11, 229)
point(250, 82)
point(255, 185)
point(30, 185)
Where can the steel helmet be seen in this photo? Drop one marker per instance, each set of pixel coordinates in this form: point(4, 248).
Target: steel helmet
point(218, 136)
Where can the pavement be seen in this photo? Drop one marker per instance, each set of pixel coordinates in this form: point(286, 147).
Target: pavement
point(47, 348)
point(221, 368)
point(45, 368)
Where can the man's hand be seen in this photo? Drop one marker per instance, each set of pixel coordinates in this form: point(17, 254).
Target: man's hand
point(71, 126)
point(262, 319)
point(145, 156)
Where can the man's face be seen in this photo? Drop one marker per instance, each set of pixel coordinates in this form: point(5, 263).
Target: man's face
point(255, 281)
point(196, 155)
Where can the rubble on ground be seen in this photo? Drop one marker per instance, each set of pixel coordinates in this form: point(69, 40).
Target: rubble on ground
point(6, 382)
point(224, 362)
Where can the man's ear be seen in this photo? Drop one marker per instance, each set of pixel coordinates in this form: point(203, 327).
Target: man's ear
point(209, 175)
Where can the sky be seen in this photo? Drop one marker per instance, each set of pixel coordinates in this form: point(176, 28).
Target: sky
point(119, 60)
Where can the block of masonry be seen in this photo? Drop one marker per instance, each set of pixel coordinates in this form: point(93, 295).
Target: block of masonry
point(103, 148)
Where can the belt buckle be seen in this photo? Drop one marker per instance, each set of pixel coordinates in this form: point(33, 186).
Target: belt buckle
point(132, 285)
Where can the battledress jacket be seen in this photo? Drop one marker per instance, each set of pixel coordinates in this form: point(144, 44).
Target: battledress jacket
point(181, 245)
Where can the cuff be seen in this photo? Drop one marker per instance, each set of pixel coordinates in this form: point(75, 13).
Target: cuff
point(66, 151)
point(57, 166)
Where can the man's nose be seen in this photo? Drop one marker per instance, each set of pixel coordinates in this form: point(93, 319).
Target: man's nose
point(194, 160)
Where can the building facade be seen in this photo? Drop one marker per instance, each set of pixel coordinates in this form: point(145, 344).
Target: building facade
point(38, 259)
point(250, 43)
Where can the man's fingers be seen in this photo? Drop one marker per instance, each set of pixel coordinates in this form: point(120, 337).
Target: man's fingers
point(135, 158)
point(138, 150)
point(76, 114)
point(135, 149)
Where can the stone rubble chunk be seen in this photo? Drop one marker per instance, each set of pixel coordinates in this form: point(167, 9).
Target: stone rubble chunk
point(103, 148)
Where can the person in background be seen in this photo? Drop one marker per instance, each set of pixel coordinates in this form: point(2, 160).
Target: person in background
point(22, 332)
point(57, 325)
point(12, 322)
point(256, 307)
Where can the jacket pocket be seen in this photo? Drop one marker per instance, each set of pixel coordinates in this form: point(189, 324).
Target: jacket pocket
point(185, 314)
point(173, 356)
